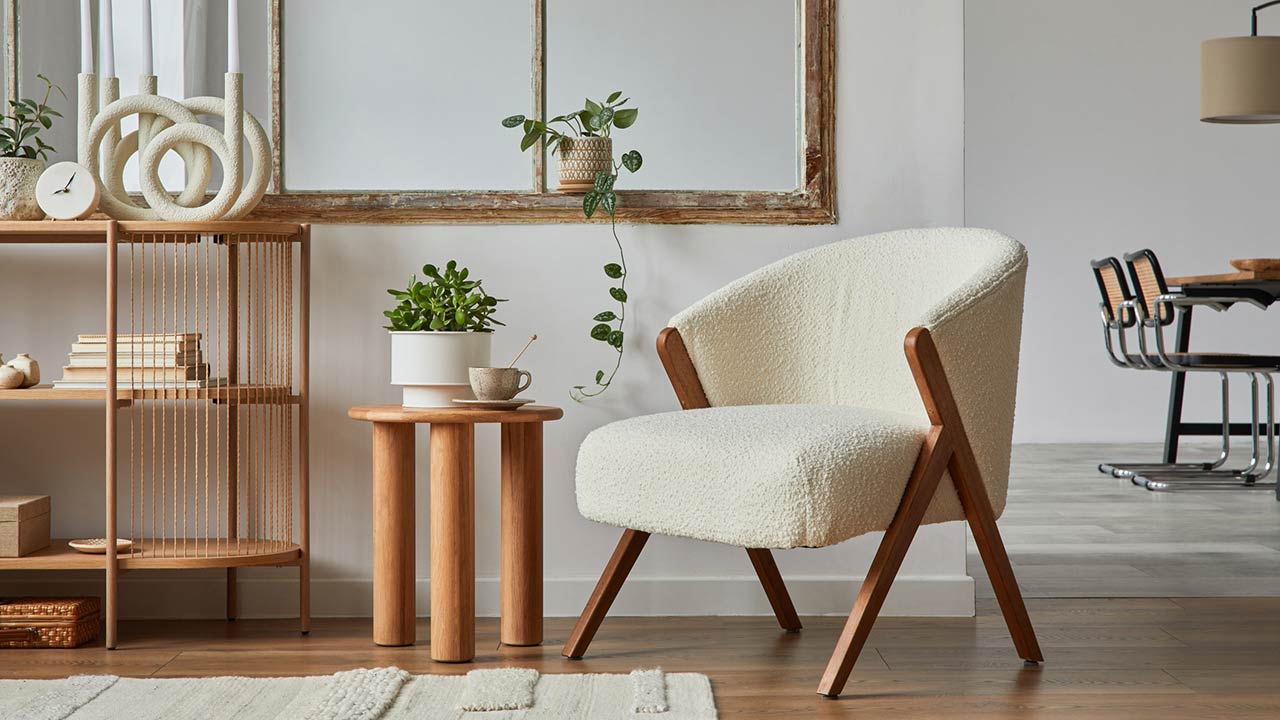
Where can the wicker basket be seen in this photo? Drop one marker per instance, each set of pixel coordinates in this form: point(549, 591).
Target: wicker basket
point(49, 622)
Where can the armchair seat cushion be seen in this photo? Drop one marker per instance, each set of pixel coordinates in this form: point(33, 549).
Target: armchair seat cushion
point(759, 476)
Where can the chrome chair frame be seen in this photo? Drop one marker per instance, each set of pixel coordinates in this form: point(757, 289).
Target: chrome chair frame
point(1154, 316)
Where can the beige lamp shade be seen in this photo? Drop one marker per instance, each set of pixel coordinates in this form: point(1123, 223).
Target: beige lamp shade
point(1240, 80)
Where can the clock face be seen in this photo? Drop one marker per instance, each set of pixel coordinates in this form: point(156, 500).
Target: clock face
point(67, 191)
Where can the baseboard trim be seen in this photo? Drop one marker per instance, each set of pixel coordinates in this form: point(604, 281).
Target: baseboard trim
point(202, 597)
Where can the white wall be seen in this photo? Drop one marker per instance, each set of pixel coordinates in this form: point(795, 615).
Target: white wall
point(1083, 140)
point(900, 164)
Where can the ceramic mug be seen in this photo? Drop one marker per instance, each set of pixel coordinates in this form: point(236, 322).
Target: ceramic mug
point(498, 383)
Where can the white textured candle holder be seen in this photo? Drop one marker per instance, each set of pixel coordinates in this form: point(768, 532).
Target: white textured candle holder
point(166, 124)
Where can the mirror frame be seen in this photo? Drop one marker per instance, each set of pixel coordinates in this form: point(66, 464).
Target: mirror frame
point(813, 202)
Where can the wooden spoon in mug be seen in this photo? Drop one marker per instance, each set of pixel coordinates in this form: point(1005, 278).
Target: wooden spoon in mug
point(521, 353)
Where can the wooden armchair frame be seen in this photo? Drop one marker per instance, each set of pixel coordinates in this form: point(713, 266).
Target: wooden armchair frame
point(946, 448)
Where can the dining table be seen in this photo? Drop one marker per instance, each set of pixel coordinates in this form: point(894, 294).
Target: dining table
point(1250, 280)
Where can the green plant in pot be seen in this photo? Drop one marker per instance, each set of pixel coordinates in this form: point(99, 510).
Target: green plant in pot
point(440, 326)
point(23, 152)
point(594, 173)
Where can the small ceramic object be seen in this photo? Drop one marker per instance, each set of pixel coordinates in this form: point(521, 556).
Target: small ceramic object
point(432, 366)
point(11, 378)
point(29, 368)
point(494, 404)
point(67, 191)
point(18, 177)
point(498, 383)
point(581, 159)
point(98, 546)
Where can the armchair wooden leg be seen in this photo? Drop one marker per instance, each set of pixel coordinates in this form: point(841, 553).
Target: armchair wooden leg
point(897, 539)
point(615, 573)
point(774, 588)
point(977, 508)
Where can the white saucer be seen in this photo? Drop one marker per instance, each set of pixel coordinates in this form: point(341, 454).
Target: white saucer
point(511, 404)
point(98, 546)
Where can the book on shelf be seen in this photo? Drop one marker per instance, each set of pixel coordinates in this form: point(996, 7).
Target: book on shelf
point(70, 373)
point(125, 385)
point(125, 338)
point(137, 348)
point(99, 360)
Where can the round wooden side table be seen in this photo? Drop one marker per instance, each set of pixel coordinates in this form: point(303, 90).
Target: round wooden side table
point(453, 566)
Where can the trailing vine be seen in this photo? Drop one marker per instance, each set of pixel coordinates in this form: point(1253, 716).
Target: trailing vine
point(602, 195)
point(595, 119)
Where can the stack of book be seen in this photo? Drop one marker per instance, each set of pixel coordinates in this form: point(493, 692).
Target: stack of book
point(168, 360)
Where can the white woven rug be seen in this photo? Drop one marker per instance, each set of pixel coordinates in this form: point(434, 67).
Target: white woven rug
point(381, 694)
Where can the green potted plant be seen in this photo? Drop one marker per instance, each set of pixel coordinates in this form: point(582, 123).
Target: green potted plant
point(23, 152)
point(582, 139)
point(594, 173)
point(439, 328)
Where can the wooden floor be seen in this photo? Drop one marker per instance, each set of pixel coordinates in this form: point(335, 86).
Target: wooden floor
point(1161, 647)
point(1120, 658)
point(1073, 532)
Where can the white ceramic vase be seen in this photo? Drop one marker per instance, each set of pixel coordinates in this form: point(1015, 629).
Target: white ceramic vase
point(431, 367)
point(18, 178)
point(29, 368)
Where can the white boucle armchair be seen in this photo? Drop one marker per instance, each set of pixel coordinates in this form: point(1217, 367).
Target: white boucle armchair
point(804, 425)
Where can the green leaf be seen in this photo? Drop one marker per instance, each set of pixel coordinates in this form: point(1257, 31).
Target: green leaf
point(613, 270)
point(592, 108)
point(625, 118)
point(632, 160)
point(601, 332)
point(618, 294)
point(614, 96)
point(529, 140)
point(604, 181)
point(437, 324)
point(590, 202)
point(610, 202)
point(606, 316)
point(615, 338)
point(599, 376)
point(46, 122)
point(606, 116)
point(513, 121)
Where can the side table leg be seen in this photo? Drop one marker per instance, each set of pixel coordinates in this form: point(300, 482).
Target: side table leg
point(453, 542)
point(393, 557)
point(522, 533)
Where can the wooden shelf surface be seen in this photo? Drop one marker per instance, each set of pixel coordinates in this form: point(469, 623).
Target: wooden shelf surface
point(95, 231)
point(230, 394)
point(156, 554)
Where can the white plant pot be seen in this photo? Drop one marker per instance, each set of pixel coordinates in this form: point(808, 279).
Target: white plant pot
point(432, 366)
point(18, 178)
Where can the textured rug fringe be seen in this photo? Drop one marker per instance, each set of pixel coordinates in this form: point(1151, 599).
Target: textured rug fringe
point(359, 694)
point(70, 695)
point(650, 688)
point(499, 689)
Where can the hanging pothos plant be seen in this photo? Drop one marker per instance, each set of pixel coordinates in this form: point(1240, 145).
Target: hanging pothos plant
point(596, 119)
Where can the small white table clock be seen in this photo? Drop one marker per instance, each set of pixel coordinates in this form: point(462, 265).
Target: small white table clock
point(67, 191)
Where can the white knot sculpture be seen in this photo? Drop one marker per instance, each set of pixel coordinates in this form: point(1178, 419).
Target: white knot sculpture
point(165, 124)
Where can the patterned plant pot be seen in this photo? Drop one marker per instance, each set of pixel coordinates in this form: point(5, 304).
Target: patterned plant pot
point(581, 158)
point(18, 178)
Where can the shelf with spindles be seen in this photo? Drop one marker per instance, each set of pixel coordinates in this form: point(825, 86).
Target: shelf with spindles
point(231, 394)
point(165, 554)
point(215, 476)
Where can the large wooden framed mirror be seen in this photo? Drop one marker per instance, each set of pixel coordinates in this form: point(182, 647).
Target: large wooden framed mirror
point(390, 112)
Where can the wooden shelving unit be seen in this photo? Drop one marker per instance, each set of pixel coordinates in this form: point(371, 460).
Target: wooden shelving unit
point(215, 476)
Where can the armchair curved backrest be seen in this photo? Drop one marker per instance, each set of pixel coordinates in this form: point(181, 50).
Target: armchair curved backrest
point(827, 326)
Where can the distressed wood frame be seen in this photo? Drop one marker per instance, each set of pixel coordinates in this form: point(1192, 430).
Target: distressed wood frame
point(813, 202)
